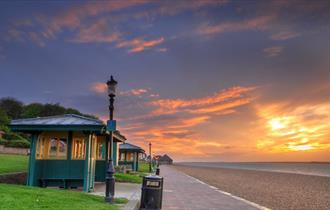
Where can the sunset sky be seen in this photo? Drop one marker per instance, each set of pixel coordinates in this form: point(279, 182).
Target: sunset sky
point(202, 80)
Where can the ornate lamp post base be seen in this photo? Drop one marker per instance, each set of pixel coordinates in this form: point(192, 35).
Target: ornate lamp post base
point(110, 183)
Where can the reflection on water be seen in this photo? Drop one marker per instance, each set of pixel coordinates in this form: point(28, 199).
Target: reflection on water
point(317, 169)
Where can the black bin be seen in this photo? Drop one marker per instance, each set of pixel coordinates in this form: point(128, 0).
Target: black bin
point(152, 192)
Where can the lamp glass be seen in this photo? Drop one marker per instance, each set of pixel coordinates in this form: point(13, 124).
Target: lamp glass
point(112, 89)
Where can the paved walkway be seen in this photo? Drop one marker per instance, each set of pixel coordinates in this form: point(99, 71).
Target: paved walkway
point(182, 192)
point(123, 190)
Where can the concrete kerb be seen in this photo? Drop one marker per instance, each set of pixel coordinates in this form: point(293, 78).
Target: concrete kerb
point(133, 203)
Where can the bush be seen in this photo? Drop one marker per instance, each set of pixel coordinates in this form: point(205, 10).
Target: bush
point(120, 169)
point(3, 141)
point(12, 136)
point(4, 128)
point(20, 143)
point(144, 166)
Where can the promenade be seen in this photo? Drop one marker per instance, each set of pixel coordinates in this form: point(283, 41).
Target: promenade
point(182, 192)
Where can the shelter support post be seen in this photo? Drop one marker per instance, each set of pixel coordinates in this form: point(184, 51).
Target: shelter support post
point(87, 164)
point(31, 180)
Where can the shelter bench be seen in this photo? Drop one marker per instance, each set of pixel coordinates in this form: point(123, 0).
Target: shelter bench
point(62, 183)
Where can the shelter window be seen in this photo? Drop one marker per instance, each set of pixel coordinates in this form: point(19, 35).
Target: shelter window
point(78, 149)
point(100, 149)
point(58, 148)
point(41, 152)
point(129, 156)
point(51, 147)
point(122, 156)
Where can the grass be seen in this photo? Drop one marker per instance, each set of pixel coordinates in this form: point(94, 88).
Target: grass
point(13, 163)
point(22, 197)
point(134, 177)
point(121, 200)
point(131, 178)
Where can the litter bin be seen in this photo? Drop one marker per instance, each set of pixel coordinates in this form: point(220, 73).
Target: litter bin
point(152, 192)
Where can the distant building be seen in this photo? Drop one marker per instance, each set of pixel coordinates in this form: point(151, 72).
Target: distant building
point(164, 160)
point(156, 157)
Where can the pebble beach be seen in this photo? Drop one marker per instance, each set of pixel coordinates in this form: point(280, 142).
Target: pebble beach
point(273, 190)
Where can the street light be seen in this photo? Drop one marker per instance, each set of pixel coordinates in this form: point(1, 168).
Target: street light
point(150, 157)
point(110, 180)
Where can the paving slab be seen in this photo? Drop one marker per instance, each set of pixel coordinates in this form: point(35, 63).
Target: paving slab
point(122, 190)
point(132, 192)
point(183, 192)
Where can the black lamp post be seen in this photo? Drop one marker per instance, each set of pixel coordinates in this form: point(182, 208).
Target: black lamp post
point(150, 157)
point(110, 180)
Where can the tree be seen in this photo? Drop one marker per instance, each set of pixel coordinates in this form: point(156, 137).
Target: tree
point(52, 109)
point(12, 107)
point(32, 110)
point(15, 109)
point(4, 121)
point(90, 116)
point(72, 111)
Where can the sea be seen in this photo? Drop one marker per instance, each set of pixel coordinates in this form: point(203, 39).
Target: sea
point(310, 168)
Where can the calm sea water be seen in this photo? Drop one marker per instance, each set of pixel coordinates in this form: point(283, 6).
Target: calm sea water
point(317, 169)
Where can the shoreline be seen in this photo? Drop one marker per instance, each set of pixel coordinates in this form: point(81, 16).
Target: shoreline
point(274, 190)
point(293, 162)
point(303, 168)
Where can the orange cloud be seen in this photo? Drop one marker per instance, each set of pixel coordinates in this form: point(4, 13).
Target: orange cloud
point(260, 23)
point(190, 122)
point(99, 87)
point(35, 38)
point(284, 35)
point(224, 106)
point(72, 17)
point(172, 124)
point(167, 8)
point(96, 32)
point(300, 128)
point(22, 36)
point(211, 103)
point(138, 44)
point(273, 51)
point(134, 92)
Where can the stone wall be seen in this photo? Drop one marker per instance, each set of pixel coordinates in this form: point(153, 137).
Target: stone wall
point(15, 178)
point(12, 150)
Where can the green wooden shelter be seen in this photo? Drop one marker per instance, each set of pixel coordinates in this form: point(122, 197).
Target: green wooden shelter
point(67, 151)
point(129, 155)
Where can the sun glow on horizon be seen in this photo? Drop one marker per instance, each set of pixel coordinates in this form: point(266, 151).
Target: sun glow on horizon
point(276, 124)
point(304, 128)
